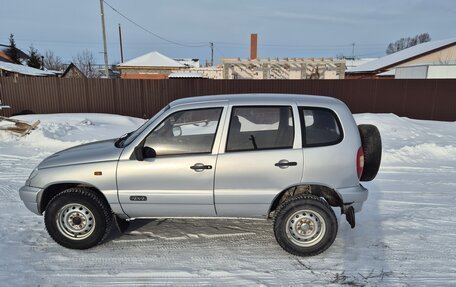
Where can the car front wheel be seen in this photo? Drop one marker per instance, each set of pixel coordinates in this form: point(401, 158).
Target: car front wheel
point(78, 218)
point(305, 225)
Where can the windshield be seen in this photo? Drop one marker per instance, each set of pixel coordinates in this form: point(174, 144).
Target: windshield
point(126, 139)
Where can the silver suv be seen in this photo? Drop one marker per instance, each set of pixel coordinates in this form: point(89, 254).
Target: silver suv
point(292, 158)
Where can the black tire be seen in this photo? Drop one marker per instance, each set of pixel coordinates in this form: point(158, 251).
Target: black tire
point(372, 148)
point(122, 224)
point(78, 206)
point(306, 207)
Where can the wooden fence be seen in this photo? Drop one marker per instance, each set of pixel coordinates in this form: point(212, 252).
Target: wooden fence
point(420, 99)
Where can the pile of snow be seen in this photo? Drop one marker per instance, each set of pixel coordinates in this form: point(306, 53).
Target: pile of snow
point(60, 131)
point(413, 141)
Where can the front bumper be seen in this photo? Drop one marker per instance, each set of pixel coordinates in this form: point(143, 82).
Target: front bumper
point(31, 196)
point(354, 196)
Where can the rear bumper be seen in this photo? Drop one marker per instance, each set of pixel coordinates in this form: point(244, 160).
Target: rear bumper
point(354, 196)
point(31, 196)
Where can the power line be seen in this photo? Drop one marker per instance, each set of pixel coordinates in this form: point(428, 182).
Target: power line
point(150, 32)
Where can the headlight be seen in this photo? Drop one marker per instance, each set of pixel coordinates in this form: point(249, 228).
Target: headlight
point(32, 176)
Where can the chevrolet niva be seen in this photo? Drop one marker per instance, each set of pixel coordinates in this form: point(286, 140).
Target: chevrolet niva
point(292, 158)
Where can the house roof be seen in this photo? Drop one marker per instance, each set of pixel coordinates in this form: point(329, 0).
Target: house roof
point(152, 59)
point(21, 53)
point(72, 66)
point(4, 57)
point(24, 70)
point(402, 56)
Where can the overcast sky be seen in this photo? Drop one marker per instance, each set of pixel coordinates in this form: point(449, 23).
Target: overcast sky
point(286, 28)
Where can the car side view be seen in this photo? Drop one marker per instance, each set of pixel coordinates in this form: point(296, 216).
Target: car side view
point(291, 158)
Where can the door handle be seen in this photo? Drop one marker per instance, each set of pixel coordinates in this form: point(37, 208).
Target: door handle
point(200, 167)
point(285, 163)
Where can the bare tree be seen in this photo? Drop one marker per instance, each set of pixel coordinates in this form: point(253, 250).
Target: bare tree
point(52, 62)
point(405, 43)
point(85, 61)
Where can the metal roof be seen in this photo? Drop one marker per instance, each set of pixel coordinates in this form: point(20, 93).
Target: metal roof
point(402, 55)
point(24, 70)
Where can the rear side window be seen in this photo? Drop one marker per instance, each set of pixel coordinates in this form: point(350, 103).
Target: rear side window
point(322, 127)
point(260, 128)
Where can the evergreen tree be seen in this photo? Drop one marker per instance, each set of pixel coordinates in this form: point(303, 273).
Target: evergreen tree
point(35, 58)
point(12, 52)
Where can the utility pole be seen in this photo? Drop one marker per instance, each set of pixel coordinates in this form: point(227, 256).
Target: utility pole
point(353, 51)
point(104, 40)
point(212, 54)
point(120, 40)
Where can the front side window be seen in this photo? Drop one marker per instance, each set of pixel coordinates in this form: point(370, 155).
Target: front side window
point(185, 132)
point(260, 128)
point(322, 127)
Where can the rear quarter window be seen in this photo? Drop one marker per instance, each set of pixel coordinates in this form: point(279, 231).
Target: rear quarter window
point(321, 127)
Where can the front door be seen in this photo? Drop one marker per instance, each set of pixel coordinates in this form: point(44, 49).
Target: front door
point(178, 179)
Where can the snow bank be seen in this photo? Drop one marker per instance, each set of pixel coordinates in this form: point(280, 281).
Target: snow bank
point(413, 141)
point(60, 131)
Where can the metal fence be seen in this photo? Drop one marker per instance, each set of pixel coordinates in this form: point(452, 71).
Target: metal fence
point(420, 99)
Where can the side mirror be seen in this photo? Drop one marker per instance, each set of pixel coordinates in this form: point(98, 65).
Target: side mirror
point(142, 152)
point(149, 152)
point(139, 153)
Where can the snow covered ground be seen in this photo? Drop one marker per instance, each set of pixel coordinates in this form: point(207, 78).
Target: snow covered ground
point(405, 234)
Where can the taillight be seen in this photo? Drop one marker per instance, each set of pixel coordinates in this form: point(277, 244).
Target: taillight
point(360, 162)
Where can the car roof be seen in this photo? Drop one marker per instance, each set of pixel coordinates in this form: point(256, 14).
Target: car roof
point(259, 98)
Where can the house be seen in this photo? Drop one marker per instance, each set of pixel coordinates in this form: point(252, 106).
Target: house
point(427, 71)
point(434, 52)
point(73, 72)
point(287, 68)
point(153, 65)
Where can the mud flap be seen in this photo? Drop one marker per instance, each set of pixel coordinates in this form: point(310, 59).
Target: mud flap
point(350, 215)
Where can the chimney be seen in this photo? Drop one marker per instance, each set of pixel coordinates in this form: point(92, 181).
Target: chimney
point(253, 46)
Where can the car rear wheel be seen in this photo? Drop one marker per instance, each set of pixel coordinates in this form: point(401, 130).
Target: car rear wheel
point(305, 225)
point(78, 218)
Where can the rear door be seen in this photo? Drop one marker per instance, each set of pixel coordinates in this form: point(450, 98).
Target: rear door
point(260, 157)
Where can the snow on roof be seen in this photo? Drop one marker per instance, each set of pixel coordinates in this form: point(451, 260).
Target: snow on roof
point(402, 56)
point(179, 75)
point(152, 59)
point(24, 70)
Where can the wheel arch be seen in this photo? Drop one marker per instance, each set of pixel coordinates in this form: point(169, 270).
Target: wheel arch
point(55, 188)
point(328, 193)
